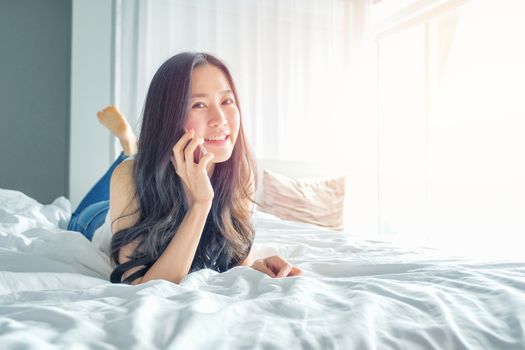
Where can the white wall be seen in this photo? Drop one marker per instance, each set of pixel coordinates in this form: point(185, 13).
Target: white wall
point(91, 89)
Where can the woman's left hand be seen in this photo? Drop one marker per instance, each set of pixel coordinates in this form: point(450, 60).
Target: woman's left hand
point(276, 267)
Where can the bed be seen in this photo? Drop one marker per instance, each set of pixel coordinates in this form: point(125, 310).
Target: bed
point(355, 293)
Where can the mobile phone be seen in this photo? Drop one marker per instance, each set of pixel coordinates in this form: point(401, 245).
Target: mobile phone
point(200, 152)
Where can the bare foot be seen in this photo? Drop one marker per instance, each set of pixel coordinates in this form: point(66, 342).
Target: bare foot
point(112, 119)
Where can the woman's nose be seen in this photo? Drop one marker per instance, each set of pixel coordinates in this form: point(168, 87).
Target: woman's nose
point(218, 117)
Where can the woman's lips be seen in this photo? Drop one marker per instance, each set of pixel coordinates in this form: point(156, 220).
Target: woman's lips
point(217, 143)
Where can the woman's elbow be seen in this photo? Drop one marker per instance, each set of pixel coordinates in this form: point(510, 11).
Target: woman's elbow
point(141, 280)
point(136, 281)
point(246, 262)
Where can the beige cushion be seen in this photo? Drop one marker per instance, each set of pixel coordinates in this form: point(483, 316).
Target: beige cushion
point(310, 200)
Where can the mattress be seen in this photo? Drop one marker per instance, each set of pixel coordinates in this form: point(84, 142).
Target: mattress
point(354, 293)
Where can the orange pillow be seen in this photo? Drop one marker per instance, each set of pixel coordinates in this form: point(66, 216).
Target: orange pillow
point(311, 200)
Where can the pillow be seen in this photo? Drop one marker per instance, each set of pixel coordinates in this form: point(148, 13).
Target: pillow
point(310, 200)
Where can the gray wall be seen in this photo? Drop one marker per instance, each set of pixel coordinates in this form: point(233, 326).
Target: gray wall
point(35, 61)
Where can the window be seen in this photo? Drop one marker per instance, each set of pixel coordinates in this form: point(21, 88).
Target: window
point(451, 120)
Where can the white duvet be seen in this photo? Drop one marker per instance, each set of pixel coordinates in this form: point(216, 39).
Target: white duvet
point(354, 294)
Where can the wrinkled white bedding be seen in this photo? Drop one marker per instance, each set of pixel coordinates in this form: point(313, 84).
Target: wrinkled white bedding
point(354, 294)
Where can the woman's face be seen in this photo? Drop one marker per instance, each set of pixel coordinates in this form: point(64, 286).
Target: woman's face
point(213, 111)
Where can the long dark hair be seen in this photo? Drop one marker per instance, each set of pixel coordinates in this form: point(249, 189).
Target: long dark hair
point(228, 233)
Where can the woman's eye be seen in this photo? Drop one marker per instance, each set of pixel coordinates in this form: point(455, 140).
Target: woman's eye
point(228, 101)
point(198, 105)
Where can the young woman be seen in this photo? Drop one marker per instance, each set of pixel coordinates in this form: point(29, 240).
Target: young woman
point(184, 201)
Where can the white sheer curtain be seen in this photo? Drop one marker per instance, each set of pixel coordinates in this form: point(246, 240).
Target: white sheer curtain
point(297, 63)
point(451, 125)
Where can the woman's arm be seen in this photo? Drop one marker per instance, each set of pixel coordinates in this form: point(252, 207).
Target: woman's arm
point(174, 264)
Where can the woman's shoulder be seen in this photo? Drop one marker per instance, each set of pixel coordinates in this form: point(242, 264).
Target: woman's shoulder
point(122, 183)
point(123, 202)
point(125, 168)
point(122, 179)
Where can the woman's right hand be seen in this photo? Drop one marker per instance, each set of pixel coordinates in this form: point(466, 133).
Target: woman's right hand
point(195, 179)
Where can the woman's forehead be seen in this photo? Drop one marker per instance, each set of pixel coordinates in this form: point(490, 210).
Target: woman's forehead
point(208, 79)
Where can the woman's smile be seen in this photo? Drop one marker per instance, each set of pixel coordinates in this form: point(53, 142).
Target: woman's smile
point(217, 143)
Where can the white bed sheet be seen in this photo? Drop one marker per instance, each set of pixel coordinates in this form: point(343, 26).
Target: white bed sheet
point(354, 294)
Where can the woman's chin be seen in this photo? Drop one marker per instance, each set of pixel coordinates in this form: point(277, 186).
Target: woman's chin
point(219, 158)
